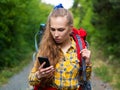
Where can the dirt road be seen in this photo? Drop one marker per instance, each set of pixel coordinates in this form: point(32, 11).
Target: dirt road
point(20, 81)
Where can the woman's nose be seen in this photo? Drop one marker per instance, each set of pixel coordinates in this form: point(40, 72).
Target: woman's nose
point(56, 34)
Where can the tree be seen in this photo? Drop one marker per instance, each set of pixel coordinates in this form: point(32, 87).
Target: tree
point(19, 21)
point(106, 20)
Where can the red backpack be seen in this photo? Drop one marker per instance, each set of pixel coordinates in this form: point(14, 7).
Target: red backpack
point(79, 36)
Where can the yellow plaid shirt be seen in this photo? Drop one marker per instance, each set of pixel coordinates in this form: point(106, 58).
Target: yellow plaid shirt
point(66, 74)
point(67, 71)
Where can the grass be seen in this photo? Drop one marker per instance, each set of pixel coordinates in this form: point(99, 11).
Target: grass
point(108, 71)
point(7, 73)
point(104, 72)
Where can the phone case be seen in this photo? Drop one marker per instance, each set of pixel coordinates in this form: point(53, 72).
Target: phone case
point(44, 59)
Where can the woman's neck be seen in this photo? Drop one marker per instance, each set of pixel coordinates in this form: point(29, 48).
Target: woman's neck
point(66, 45)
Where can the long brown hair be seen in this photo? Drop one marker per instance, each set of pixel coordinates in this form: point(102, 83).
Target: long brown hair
point(48, 47)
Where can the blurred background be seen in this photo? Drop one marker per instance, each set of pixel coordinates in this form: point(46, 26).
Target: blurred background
point(21, 19)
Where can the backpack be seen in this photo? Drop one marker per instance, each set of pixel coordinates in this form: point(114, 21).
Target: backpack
point(80, 38)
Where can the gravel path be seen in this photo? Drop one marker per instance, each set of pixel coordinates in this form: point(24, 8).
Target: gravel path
point(98, 84)
point(20, 81)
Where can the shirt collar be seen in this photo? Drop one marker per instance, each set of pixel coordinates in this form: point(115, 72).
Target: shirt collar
point(73, 45)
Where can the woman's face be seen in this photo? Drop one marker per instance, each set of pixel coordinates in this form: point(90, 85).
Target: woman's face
point(59, 29)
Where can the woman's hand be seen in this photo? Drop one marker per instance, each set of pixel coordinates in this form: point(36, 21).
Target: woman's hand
point(86, 54)
point(45, 72)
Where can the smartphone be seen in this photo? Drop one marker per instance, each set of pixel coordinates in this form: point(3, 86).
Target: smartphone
point(44, 59)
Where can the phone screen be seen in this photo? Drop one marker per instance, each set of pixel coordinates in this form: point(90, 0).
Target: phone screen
point(44, 59)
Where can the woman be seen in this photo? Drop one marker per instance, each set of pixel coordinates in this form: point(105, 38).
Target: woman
point(59, 47)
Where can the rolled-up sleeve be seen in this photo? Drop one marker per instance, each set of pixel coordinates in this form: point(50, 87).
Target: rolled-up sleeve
point(33, 80)
point(88, 71)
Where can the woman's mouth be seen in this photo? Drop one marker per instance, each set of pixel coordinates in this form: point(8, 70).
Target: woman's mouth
point(57, 40)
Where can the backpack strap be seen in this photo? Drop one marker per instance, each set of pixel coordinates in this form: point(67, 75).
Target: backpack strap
point(79, 37)
point(37, 39)
point(82, 59)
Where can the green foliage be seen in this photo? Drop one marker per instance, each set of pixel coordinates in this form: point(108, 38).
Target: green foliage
point(101, 21)
point(5, 75)
point(19, 21)
point(82, 10)
point(107, 23)
point(103, 72)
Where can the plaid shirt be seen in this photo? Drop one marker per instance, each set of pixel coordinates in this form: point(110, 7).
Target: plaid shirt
point(66, 74)
point(67, 71)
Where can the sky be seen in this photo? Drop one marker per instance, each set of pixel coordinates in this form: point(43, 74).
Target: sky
point(66, 3)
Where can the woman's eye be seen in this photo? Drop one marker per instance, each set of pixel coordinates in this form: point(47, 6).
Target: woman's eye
point(52, 29)
point(61, 29)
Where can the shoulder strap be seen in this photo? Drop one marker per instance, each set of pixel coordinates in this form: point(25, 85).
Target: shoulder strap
point(36, 45)
point(37, 39)
point(79, 37)
point(82, 59)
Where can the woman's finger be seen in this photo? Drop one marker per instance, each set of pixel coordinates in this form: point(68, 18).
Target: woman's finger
point(41, 66)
